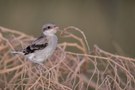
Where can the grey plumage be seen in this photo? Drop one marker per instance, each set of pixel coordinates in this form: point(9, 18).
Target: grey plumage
point(43, 47)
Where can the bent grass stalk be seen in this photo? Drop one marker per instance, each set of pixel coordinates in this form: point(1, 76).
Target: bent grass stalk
point(65, 70)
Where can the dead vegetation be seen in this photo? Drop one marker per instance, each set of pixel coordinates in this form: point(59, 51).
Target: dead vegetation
point(65, 70)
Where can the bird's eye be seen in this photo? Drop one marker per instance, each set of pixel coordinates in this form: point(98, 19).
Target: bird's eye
point(48, 27)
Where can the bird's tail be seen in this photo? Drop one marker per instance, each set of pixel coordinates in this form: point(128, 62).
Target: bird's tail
point(17, 52)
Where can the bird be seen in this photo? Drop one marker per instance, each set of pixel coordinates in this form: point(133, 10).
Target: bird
point(43, 47)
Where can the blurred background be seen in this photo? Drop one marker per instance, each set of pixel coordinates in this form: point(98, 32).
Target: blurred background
point(108, 23)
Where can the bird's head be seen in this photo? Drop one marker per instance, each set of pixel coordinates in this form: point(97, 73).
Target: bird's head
point(49, 29)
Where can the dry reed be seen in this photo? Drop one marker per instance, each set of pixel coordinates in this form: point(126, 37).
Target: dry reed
point(65, 70)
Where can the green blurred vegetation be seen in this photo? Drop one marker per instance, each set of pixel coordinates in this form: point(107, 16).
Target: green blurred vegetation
point(107, 23)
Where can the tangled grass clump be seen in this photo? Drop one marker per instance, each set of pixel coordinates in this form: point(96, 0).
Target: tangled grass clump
point(65, 70)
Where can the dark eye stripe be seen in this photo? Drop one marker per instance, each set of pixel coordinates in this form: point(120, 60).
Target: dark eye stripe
point(46, 28)
point(49, 27)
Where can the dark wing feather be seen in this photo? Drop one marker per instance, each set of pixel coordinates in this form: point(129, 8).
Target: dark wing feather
point(38, 44)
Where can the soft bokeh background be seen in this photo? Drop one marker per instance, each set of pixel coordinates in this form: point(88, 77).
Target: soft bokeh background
point(108, 23)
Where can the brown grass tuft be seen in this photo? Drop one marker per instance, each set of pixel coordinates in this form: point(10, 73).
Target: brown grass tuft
point(65, 70)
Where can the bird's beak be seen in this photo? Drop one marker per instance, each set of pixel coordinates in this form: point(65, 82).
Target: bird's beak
point(57, 28)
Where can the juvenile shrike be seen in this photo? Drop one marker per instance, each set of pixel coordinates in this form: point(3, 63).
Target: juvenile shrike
point(43, 47)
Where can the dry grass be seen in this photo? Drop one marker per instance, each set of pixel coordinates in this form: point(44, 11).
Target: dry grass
point(95, 70)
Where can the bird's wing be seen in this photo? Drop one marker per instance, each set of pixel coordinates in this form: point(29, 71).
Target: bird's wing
point(39, 44)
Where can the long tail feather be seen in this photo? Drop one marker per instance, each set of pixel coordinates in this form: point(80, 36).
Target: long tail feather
point(17, 52)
